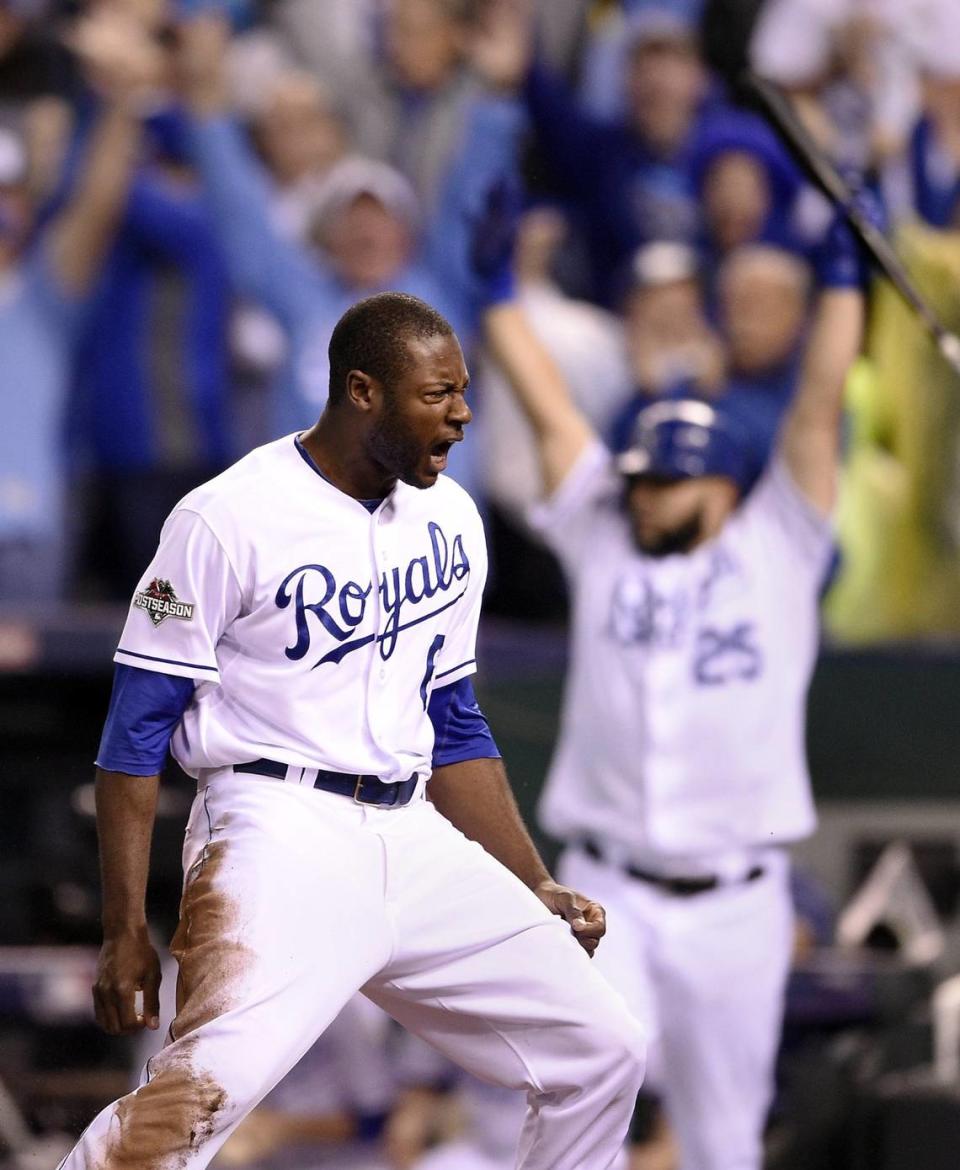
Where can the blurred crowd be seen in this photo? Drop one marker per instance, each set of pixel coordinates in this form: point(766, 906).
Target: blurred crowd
point(193, 191)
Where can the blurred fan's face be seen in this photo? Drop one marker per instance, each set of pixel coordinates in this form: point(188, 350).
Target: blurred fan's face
point(763, 316)
point(674, 516)
point(424, 43)
point(297, 134)
point(660, 321)
point(665, 83)
point(736, 200)
point(541, 232)
point(366, 244)
point(12, 25)
point(667, 314)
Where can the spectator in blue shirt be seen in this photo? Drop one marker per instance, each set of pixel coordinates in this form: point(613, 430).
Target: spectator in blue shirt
point(151, 385)
point(44, 276)
point(406, 79)
point(630, 179)
point(747, 182)
point(763, 301)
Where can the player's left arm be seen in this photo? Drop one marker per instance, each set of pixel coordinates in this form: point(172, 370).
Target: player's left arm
point(810, 440)
point(475, 795)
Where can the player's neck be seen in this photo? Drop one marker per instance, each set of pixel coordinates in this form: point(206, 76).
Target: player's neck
point(343, 462)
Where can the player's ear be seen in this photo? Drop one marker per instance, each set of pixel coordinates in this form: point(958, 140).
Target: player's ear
point(361, 389)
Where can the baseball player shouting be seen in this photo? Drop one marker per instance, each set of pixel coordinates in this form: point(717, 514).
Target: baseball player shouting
point(305, 634)
point(680, 769)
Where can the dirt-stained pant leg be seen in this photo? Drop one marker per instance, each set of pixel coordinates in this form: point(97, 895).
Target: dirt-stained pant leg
point(282, 919)
point(293, 900)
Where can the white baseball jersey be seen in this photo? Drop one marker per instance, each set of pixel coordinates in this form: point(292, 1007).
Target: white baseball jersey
point(684, 717)
point(315, 630)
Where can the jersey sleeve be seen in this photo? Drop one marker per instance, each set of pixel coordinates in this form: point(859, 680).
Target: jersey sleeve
point(565, 519)
point(145, 707)
point(183, 603)
point(779, 508)
point(456, 655)
point(460, 728)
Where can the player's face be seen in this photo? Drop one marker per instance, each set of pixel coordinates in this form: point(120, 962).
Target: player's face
point(423, 414)
point(674, 516)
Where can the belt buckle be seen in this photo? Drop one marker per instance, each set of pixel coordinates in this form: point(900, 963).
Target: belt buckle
point(356, 792)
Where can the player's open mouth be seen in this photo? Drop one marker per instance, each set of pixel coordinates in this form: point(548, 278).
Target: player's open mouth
point(438, 456)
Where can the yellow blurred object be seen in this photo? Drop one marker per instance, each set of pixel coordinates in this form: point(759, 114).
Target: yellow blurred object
point(899, 515)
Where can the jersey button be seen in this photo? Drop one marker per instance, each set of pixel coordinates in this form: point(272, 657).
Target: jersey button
point(383, 674)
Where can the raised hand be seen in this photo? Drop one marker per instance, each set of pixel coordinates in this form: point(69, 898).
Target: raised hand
point(493, 241)
point(501, 44)
point(199, 64)
point(120, 58)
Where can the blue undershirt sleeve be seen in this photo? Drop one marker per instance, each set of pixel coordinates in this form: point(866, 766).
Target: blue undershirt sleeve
point(460, 728)
point(145, 708)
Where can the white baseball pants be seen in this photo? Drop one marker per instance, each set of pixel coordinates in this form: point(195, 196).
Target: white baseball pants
point(296, 898)
point(706, 976)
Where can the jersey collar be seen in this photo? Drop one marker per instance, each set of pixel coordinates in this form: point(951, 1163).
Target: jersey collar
point(370, 505)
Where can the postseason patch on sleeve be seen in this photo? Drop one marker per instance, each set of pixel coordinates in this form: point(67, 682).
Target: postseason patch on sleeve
point(159, 601)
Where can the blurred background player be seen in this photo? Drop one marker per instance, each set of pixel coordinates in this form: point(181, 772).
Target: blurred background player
point(680, 770)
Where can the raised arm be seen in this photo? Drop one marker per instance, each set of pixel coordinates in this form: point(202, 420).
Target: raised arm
point(121, 63)
point(503, 52)
point(810, 440)
point(264, 266)
point(562, 432)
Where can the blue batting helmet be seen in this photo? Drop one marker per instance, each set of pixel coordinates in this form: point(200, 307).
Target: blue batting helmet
point(684, 439)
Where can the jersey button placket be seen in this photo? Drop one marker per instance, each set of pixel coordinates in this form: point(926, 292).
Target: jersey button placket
point(378, 677)
point(383, 555)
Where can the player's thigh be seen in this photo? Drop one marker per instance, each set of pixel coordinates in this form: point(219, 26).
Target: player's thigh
point(721, 980)
point(623, 955)
point(281, 917)
point(485, 973)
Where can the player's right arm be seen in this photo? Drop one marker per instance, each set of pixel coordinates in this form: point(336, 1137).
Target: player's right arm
point(126, 809)
point(562, 432)
point(158, 665)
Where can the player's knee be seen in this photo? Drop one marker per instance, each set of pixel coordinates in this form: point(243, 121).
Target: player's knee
point(632, 1058)
point(620, 1054)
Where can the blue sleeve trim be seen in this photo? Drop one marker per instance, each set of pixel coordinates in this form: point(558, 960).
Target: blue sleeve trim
point(460, 728)
point(459, 666)
point(145, 707)
point(169, 661)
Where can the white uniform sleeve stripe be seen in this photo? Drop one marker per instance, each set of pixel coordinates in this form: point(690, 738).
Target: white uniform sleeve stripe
point(459, 666)
point(169, 661)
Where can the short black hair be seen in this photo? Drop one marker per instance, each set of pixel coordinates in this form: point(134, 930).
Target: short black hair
point(372, 336)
